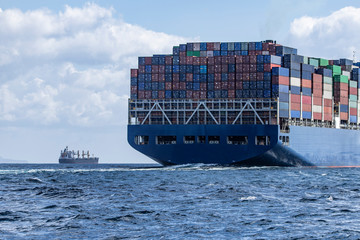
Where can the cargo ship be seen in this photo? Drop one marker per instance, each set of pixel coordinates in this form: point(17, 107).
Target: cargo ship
point(247, 104)
point(67, 156)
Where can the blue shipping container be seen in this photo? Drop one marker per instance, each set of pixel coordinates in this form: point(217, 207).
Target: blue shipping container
point(344, 108)
point(294, 73)
point(295, 114)
point(284, 113)
point(306, 91)
point(353, 119)
point(306, 75)
point(295, 90)
point(280, 71)
point(306, 115)
point(307, 68)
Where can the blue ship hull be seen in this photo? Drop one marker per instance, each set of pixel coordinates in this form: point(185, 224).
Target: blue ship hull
point(308, 146)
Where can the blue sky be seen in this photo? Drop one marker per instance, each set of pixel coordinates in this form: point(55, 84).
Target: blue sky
point(64, 65)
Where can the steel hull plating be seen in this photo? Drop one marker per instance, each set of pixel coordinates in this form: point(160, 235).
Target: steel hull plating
point(79, 160)
point(274, 154)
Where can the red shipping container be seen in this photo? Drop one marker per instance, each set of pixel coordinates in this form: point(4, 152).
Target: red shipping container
point(148, 60)
point(353, 111)
point(259, 76)
point(217, 85)
point(317, 78)
point(280, 80)
point(331, 62)
point(231, 76)
point(155, 77)
point(217, 68)
point(327, 102)
point(154, 69)
point(246, 76)
point(318, 86)
point(168, 60)
point(196, 94)
point(202, 94)
point(203, 60)
point(176, 86)
point(182, 54)
point(253, 76)
point(231, 59)
point(274, 65)
point(327, 110)
point(343, 116)
point(238, 76)
point(341, 85)
point(252, 53)
point(196, 61)
point(133, 90)
point(295, 98)
point(253, 59)
point(224, 85)
point(239, 85)
point(246, 68)
point(210, 46)
point(265, 46)
point(176, 77)
point(306, 100)
point(224, 59)
point(189, 77)
point(203, 86)
point(183, 60)
point(295, 106)
point(344, 100)
point(224, 68)
point(231, 93)
point(317, 92)
point(306, 83)
point(239, 59)
point(211, 61)
point(306, 107)
point(327, 117)
point(218, 60)
point(161, 68)
point(267, 67)
point(231, 85)
point(211, 69)
point(353, 91)
point(317, 116)
point(168, 86)
point(217, 77)
point(182, 86)
point(189, 60)
point(134, 72)
point(141, 94)
point(161, 94)
point(189, 94)
point(253, 68)
point(317, 101)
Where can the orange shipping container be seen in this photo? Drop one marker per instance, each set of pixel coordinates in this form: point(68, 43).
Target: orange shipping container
point(353, 91)
point(353, 111)
point(317, 92)
point(317, 85)
point(280, 80)
point(344, 100)
point(306, 83)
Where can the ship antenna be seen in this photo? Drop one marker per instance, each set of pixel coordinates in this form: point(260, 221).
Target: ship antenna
point(354, 56)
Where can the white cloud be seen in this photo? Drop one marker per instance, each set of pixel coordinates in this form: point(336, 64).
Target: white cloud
point(332, 36)
point(70, 67)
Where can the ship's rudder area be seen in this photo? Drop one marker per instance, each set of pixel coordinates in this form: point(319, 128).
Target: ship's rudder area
point(279, 155)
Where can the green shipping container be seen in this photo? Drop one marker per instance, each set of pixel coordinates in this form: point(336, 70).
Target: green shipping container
point(196, 53)
point(336, 69)
point(231, 46)
point(352, 97)
point(323, 62)
point(189, 53)
point(328, 80)
point(353, 84)
point(341, 78)
point(353, 104)
point(314, 62)
point(306, 60)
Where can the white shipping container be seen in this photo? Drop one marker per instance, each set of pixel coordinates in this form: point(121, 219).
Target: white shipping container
point(265, 53)
point(316, 109)
point(327, 87)
point(209, 53)
point(196, 46)
point(346, 73)
point(295, 81)
point(327, 94)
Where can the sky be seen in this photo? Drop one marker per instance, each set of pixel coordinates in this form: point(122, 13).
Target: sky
point(64, 65)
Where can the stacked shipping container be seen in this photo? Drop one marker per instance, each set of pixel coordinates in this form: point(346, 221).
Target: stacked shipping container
point(231, 70)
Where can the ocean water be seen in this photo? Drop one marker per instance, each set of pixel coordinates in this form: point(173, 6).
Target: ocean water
point(182, 202)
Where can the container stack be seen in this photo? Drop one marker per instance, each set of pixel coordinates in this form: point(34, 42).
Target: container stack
point(317, 101)
point(327, 92)
point(280, 89)
point(262, 70)
point(306, 90)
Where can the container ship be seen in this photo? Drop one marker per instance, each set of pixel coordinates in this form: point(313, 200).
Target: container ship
point(67, 156)
point(247, 104)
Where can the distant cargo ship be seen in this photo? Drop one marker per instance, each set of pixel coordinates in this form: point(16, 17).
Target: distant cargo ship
point(245, 103)
point(67, 156)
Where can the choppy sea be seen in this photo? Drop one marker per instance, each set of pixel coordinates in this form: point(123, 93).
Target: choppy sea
point(183, 202)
